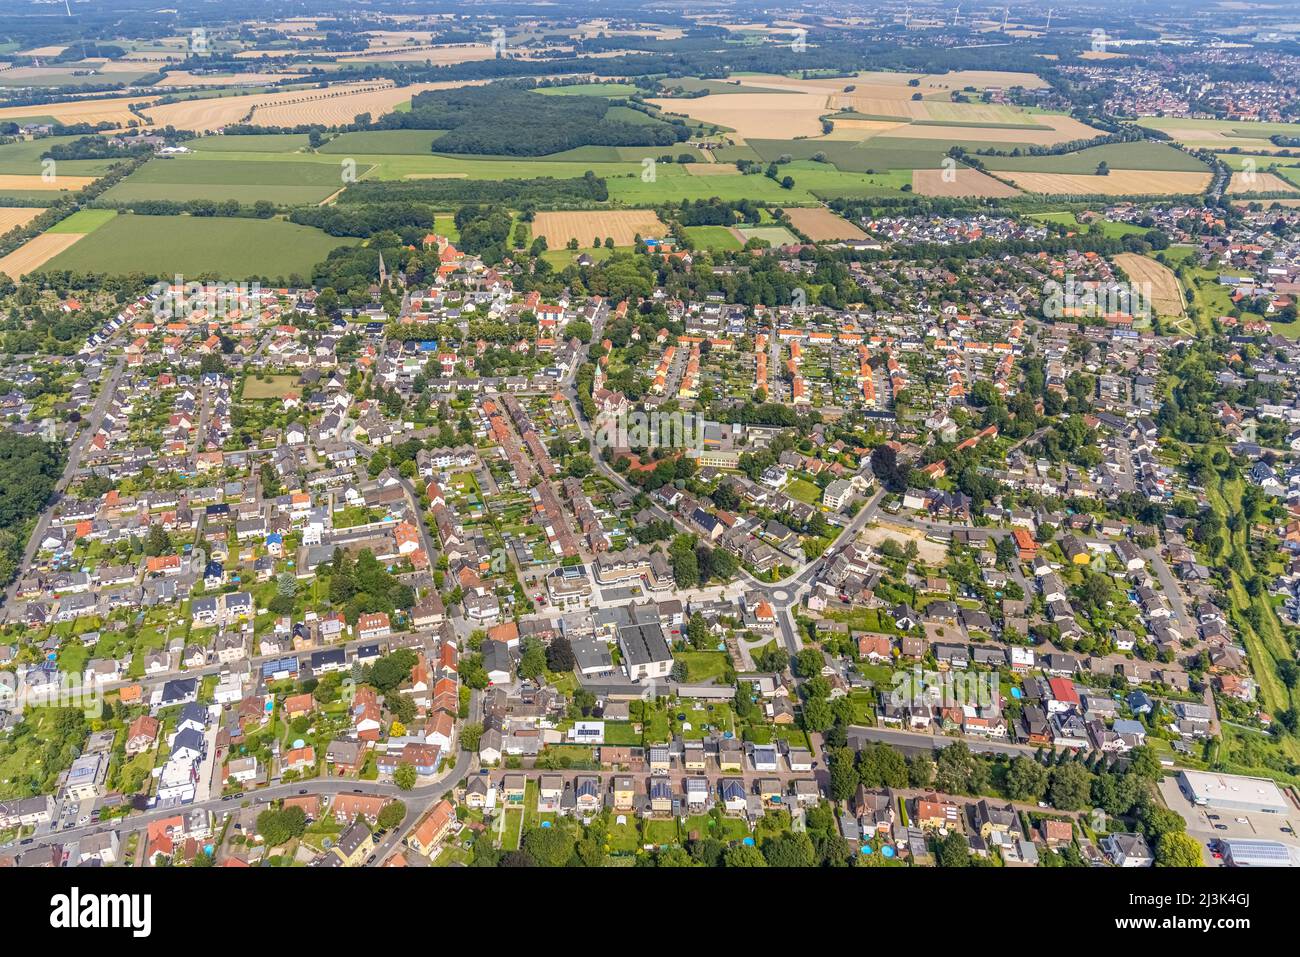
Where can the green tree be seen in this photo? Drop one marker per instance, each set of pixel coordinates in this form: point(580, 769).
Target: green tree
point(404, 776)
point(1178, 850)
point(1026, 780)
point(279, 826)
point(954, 850)
point(744, 855)
point(391, 814)
point(550, 846)
point(1070, 787)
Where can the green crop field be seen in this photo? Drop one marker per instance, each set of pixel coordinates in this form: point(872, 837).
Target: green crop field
point(237, 143)
point(590, 89)
point(812, 181)
point(281, 180)
point(418, 142)
point(1141, 155)
point(877, 153)
point(1262, 161)
point(1068, 219)
point(23, 158)
point(83, 221)
point(229, 249)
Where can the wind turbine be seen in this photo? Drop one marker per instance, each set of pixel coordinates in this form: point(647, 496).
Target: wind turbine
point(907, 17)
point(956, 15)
point(1050, 11)
point(1006, 12)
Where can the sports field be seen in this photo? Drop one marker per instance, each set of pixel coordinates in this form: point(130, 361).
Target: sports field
point(230, 249)
point(713, 237)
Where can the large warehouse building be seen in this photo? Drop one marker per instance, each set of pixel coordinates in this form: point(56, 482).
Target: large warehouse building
point(1233, 792)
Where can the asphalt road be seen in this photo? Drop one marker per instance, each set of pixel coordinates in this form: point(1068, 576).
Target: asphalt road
point(418, 800)
point(77, 450)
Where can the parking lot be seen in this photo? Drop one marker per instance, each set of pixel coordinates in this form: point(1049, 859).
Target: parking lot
point(1209, 823)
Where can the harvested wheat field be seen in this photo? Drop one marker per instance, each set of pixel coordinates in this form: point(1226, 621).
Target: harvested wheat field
point(819, 224)
point(112, 110)
point(965, 182)
point(856, 131)
point(337, 104)
point(48, 51)
point(1259, 183)
point(622, 224)
point(1120, 182)
point(1055, 129)
point(437, 55)
point(781, 116)
point(1165, 293)
point(185, 78)
point(12, 216)
point(35, 253)
point(19, 181)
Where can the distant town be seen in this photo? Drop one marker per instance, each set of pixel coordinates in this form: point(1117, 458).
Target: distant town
point(772, 439)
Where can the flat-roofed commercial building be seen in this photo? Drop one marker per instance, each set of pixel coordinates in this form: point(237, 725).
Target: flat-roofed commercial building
point(1233, 792)
point(1238, 853)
